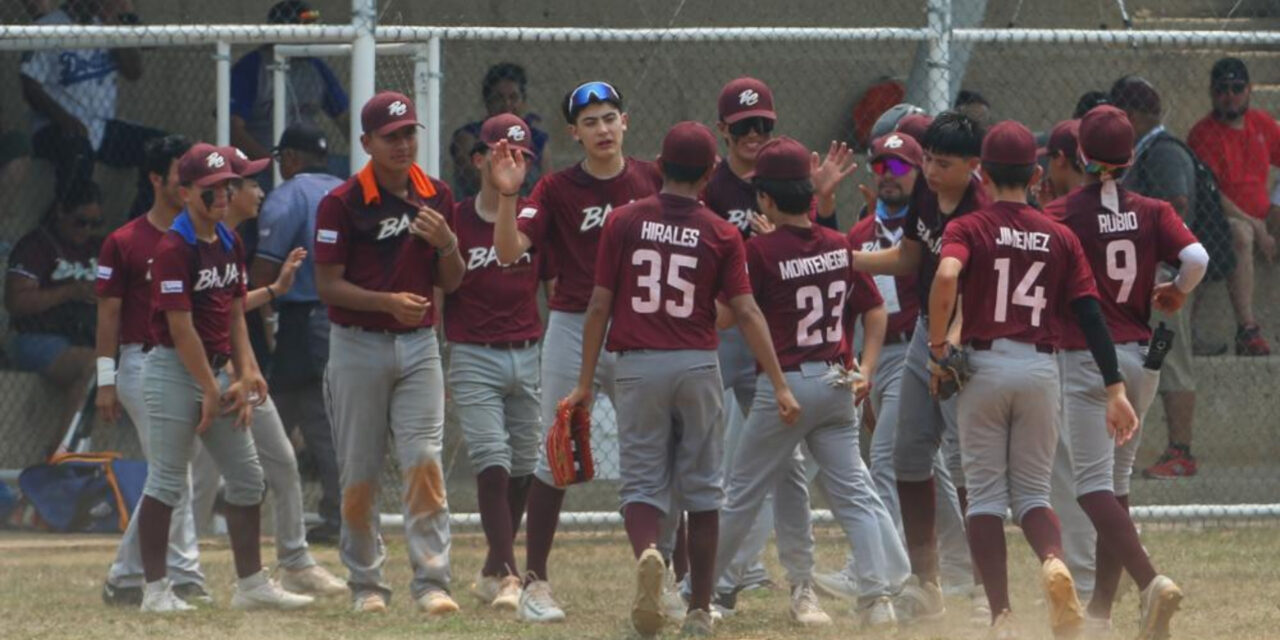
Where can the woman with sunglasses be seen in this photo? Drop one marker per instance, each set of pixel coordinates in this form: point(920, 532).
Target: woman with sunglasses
point(572, 205)
point(49, 295)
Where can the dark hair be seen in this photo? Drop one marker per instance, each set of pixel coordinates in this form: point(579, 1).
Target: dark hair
point(79, 194)
point(793, 197)
point(500, 72)
point(953, 134)
point(1009, 176)
point(967, 97)
point(1088, 101)
point(159, 153)
point(676, 172)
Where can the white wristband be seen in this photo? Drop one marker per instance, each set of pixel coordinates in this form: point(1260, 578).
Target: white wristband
point(106, 372)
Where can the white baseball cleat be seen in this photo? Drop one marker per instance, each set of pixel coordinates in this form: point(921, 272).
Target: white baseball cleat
point(1003, 627)
point(1066, 616)
point(508, 596)
point(369, 602)
point(646, 608)
point(158, 597)
point(673, 606)
point(538, 605)
point(699, 623)
point(979, 608)
point(1159, 601)
point(259, 592)
point(485, 588)
point(314, 581)
point(919, 602)
point(806, 611)
point(879, 615)
point(437, 603)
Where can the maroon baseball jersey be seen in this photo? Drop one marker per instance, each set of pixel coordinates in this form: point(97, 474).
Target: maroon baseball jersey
point(805, 284)
point(367, 229)
point(494, 303)
point(1124, 249)
point(1021, 272)
point(925, 224)
point(124, 271)
point(666, 259)
point(899, 292)
point(188, 274)
point(51, 263)
point(734, 199)
point(572, 208)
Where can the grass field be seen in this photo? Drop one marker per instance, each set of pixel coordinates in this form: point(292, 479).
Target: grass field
point(49, 588)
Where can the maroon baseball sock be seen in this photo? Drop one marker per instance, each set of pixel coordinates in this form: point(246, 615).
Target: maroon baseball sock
point(517, 497)
point(990, 556)
point(244, 527)
point(153, 537)
point(1043, 532)
point(643, 522)
point(1116, 532)
point(962, 496)
point(919, 525)
point(1106, 581)
point(544, 514)
point(492, 486)
point(704, 534)
point(680, 554)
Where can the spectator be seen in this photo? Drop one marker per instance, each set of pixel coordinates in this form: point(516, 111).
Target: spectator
point(1089, 100)
point(504, 89)
point(1239, 145)
point(312, 88)
point(49, 295)
point(72, 95)
point(1163, 168)
point(974, 105)
point(288, 221)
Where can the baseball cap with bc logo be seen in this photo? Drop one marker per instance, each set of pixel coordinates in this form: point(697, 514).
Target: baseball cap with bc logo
point(386, 112)
point(241, 164)
point(204, 165)
point(509, 127)
point(746, 98)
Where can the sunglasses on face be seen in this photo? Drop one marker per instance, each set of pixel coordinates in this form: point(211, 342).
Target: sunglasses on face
point(894, 166)
point(590, 92)
point(763, 126)
point(1234, 87)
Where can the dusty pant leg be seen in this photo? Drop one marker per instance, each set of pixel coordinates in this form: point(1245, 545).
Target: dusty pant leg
point(205, 483)
point(478, 379)
point(359, 381)
point(955, 564)
point(1141, 385)
point(183, 556)
point(522, 414)
point(280, 465)
point(792, 519)
point(984, 409)
point(885, 398)
point(417, 427)
point(738, 370)
point(305, 407)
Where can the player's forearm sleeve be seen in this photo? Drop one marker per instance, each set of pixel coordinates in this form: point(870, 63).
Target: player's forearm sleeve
point(1195, 262)
point(1094, 327)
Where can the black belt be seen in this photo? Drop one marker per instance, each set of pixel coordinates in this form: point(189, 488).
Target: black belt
point(391, 332)
point(985, 345)
point(900, 338)
point(796, 367)
point(218, 360)
point(511, 345)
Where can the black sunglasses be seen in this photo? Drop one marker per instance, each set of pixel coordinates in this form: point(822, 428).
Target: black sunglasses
point(763, 126)
point(1237, 88)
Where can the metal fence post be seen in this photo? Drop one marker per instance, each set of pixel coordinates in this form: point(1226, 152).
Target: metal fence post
point(364, 15)
point(222, 60)
point(938, 92)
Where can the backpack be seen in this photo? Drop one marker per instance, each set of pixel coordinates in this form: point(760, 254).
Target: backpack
point(1208, 222)
point(84, 492)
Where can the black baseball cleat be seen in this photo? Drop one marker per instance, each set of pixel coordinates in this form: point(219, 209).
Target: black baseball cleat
point(121, 596)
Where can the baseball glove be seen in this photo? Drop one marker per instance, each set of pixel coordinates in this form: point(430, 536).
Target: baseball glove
point(569, 446)
point(952, 371)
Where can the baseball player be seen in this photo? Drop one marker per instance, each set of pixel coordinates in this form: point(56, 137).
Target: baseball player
point(382, 242)
point(801, 279)
point(1018, 272)
point(493, 326)
point(571, 208)
point(198, 325)
point(896, 160)
point(746, 122)
point(1124, 236)
point(952, 145)
point(662, 263)
point(124, 323)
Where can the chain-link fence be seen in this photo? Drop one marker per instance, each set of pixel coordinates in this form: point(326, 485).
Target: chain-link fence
point(832, 70)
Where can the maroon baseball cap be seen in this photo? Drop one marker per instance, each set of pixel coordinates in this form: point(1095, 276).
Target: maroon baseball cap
point(690, 144)
point(782, 158)
point(898, 145)
point(204, 165)
point(915, 125)
point(386, 112)
point(1062, 139)
point(1009, 142)
point(746, 98)
point(241, 164)
point(1106, 135)
point(509, 127)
